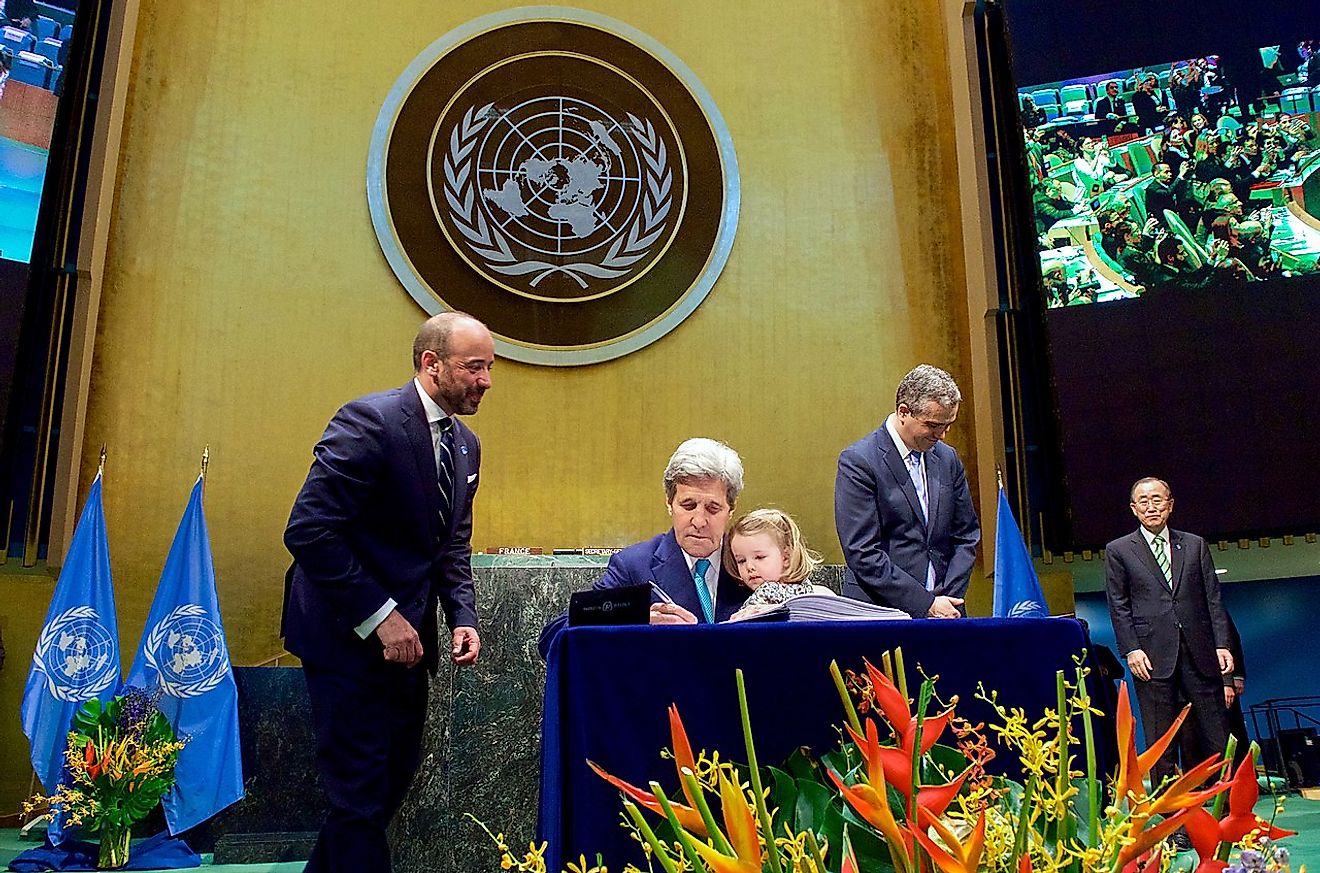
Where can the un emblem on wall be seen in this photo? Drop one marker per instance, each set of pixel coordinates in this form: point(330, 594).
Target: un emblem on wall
point(559, 175)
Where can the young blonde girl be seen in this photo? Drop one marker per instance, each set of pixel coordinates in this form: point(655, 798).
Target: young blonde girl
point(765, 550)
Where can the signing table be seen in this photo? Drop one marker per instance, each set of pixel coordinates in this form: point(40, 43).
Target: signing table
point(608, 689)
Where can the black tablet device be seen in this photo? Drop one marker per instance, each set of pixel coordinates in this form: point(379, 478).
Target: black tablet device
point(629, 604)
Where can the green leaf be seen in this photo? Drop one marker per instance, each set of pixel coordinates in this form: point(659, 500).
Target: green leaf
point(800, 765)
point(783, 796)
point(812, 801)
point(871, 850)
point(87, 717)
point(841, 762)
point(952, 760)
point(1081, 804)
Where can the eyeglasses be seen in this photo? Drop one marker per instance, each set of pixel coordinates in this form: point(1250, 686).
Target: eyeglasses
point(1155, 502)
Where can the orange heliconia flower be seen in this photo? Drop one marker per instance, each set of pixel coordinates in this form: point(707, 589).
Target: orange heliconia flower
point(959, 857)
point(687, 814)
point(1133, 768)
point(742, 833)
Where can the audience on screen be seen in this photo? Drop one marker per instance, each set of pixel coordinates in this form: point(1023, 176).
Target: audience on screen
point(1165, 171)
point(1095, 168)
point(1146, 105)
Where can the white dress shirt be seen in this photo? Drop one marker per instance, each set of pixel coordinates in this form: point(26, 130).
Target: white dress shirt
point(923, 487)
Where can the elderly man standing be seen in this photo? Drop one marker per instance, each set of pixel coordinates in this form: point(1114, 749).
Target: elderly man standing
point(902, 506)
point(702, 482)
point(1170, 625)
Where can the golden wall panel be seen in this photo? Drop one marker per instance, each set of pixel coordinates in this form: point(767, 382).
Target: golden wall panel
point(246, 298)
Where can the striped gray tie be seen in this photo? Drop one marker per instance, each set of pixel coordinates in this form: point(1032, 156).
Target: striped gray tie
point(444, 467)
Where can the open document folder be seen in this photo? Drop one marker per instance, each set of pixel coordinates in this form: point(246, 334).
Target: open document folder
point(826, 607)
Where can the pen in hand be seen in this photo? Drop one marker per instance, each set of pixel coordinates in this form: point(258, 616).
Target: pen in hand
point(659, 592)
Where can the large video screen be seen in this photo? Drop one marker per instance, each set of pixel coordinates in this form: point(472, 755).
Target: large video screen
point(1167, 177)
point(34, 49)
point(1171, 172)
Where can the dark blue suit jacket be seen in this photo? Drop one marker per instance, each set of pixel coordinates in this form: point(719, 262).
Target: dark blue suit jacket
point(366, 527)
point(660, 560)
point(887, 546)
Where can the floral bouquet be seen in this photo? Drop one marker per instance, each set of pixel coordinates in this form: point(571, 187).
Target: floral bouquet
point(892, 799)
point(120, 762)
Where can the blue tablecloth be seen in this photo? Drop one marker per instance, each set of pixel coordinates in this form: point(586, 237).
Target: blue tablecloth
point(608, 688)
point(158, 852)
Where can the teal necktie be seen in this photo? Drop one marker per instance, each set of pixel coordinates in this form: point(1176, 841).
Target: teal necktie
point(703, 593)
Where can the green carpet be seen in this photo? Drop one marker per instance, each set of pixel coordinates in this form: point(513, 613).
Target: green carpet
point(1298, 815)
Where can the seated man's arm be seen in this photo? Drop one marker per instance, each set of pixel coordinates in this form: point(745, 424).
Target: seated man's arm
point(856, 518)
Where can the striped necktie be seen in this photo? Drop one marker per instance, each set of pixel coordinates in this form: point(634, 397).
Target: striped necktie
point(703, 592)
point(444, 466)
point(1157, 546)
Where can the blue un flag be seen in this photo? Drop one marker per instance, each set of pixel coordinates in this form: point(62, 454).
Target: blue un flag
point(1017, 590)
point(183, 652)
point(77, 653)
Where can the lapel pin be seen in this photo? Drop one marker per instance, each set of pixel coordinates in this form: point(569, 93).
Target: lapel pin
point(462, 450)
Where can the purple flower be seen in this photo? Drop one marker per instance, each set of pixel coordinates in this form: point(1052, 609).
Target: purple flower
point(1252, 860)
point(1281, 855)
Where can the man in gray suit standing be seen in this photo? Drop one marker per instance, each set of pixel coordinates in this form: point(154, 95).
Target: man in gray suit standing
point(902, 506)
point(1170, 625)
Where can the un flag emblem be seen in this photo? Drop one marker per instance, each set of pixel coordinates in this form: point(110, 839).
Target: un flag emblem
point(187, 650)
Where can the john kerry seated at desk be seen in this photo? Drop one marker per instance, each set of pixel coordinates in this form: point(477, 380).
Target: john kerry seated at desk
point(702, 483)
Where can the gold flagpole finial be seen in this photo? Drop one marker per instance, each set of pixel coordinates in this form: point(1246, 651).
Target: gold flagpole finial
point(100, 466)
point(999, 477)
point(206, 459)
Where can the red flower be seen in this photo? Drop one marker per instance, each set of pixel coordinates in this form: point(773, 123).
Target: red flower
point(1207, 834)
point(89, 760)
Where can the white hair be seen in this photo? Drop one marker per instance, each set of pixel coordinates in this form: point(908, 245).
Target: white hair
point(701, 458)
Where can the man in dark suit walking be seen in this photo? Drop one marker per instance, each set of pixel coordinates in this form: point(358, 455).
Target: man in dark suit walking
point(1170, 625)
point(702, 482)
point(381, 538)
point(902, 506)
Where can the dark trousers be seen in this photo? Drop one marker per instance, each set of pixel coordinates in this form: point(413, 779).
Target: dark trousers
point(1205, 729)
point(368, 726)
point(1237, 726)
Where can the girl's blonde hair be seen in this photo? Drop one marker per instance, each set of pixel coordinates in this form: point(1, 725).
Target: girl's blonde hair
point(784, 531)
